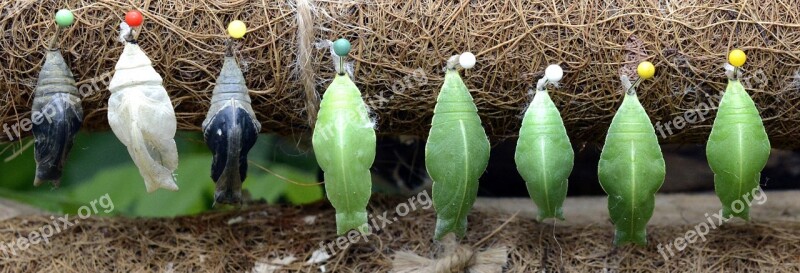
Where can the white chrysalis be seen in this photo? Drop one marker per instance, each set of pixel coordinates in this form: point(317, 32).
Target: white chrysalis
point(140, 114)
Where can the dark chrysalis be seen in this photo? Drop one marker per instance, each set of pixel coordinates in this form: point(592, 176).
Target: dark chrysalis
point(57, 116)
point(230, 131)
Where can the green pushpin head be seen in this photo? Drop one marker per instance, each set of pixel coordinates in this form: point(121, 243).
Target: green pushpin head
point(341, 47)
point(64, 18)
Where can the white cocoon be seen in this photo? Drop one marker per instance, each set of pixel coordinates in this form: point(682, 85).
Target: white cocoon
point(140, 114)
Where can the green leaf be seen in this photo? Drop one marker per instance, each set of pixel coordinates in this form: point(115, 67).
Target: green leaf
point(271, 187)
point(51, 201)
point(122, 184)
point(99, 164)
point(303, 194)
point(124, 187)
point(91, 154)
point(292, 153)
point(195, 194)
point(265, 186)
point(18, 173)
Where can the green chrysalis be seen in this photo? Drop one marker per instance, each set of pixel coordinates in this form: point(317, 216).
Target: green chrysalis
point(456, 155)
point(344, 144)
point(544, 155)
point(737, 150)
point(631, 170)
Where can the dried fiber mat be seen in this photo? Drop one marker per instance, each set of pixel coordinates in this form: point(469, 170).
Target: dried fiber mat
point(262, 238)
point(400, 48)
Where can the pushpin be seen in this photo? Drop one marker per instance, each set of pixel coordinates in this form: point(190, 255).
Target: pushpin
point(237, 29)
point(553, 73)
point(64, 18)
point(466, 60)
point(134, 18)
point(341, 47)
point(646, 70)
point(737, 58)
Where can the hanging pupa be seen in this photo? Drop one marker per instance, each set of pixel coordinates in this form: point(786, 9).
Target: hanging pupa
point(457, 151)
point(140, 114)
point(230, 129)
point(631, 167)
point(738, 146)
point(57, 112)
point(344, 144)
point(544, 155)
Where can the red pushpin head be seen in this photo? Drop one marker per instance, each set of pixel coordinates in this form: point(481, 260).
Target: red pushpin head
point(134, 18)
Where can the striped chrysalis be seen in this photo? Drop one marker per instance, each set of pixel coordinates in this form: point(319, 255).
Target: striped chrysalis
point(57, 105)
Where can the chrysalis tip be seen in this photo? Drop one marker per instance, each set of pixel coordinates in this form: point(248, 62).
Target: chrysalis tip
point(124, 32)
point(541, 84)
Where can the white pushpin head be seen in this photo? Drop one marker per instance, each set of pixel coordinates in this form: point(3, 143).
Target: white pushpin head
point(466, 60)
point(553, 73)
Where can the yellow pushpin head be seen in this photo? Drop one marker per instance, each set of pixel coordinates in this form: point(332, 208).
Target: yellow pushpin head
point(737, 57)
point(237, 29)
point(646, 70)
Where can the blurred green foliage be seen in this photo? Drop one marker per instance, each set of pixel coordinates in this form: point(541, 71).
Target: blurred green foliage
point(99, 164)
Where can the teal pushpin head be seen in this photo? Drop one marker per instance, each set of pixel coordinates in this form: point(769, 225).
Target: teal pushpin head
point(64, 18)
point(341, 47)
